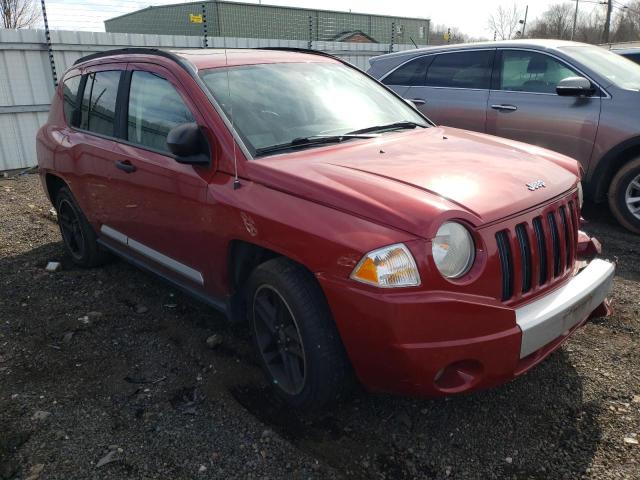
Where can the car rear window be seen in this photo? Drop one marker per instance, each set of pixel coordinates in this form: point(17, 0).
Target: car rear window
point(70, 98)
point(99, 102)
point(410, 74)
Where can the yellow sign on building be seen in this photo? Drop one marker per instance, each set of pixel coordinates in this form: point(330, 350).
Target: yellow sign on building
point(195, 18)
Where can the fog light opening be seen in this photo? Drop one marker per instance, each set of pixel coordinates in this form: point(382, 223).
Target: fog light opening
point(458, 376)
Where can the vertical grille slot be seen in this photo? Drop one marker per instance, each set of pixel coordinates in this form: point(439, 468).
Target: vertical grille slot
point(555, 242)
point(568, 235)
point(525, 256)
point(542, 249)
point(506, 264)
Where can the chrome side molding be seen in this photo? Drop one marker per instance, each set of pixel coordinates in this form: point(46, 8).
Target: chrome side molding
point(168, 262)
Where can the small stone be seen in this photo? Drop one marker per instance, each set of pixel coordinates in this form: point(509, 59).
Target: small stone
point(202, 469)
point(67, 337)
point(53, 267)
point(53, 213)
point(636, 399)
point(40, 415)
point(141, 309)
point(508, 460)
point(631, 441)
point(214, 341)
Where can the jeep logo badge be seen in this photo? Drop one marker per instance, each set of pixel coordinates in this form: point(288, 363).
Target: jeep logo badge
point(536, 185)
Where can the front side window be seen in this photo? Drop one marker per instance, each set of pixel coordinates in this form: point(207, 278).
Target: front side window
point(155, 107)
point(461, 70)
point(276, 103)
point(70, 98)
point(525, 71)
point(411, 73)
point(99, 102)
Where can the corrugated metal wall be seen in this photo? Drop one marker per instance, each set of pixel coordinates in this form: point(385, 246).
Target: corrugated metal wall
point(246, 20)
point(26, 83)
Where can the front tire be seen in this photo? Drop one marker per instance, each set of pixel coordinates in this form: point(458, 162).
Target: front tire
point(624, 196)
point(297, 342)
point(77, 234)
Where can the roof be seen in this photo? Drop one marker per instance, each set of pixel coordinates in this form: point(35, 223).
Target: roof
point(218, 57)
point(344, 36)
point(533, 43)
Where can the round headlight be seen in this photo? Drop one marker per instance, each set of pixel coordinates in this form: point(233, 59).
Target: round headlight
point(453, 250)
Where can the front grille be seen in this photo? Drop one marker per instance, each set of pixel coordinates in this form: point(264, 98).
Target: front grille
point(545, 244)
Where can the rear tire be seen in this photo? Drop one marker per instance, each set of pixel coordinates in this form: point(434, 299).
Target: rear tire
point(624, 189)
point(79, 239)
point(291, 323)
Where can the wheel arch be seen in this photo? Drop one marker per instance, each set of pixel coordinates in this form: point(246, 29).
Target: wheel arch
point(54, 183)
point(609, 164)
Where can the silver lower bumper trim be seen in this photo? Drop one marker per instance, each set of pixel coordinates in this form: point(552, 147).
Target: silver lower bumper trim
point(544, 320)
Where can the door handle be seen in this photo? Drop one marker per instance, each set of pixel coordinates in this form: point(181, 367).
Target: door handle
point(504, 107)
point(418, 101)
point(126, 166)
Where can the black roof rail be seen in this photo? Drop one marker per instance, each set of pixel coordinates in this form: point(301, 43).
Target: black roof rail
point(300, 50)
point(139, 51)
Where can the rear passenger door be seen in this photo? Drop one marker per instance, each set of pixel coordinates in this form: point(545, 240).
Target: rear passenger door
point(455, 89)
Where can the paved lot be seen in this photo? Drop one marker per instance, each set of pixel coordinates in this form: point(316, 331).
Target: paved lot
point(109, 364)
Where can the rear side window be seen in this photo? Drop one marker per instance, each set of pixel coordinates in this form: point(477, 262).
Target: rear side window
point(411, 73)
point(155, 107)
point(461, 70)
point(99, 102)
point(70, 98)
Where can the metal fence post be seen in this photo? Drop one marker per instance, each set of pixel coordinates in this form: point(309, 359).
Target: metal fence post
point(310, 42)
point(47, 35)
point(204, 25)
point(393, 36)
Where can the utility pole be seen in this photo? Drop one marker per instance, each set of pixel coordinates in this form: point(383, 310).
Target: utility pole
point(524, 22)
point(607, 22)
point(575, 20)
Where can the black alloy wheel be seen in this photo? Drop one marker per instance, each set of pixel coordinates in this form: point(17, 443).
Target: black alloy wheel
point(278, 339)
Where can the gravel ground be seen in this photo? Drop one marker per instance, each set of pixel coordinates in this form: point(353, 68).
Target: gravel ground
point(106, 373)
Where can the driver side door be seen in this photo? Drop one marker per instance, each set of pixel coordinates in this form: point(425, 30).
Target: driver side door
point(523, 104)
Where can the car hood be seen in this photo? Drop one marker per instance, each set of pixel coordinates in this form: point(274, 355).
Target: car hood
point(416, 179)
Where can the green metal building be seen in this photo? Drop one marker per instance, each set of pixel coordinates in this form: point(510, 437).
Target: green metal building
point(245, 20)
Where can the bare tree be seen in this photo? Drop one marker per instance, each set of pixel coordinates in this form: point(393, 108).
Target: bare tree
point(555, 22)
point(627, 24)
point(18, 13)
point(504, 22)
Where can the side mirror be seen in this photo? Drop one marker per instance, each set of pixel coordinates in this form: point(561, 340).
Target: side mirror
point(190, 146)
point(575, 87)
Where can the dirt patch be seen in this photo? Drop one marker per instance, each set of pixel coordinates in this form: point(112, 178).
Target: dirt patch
point(88, 378)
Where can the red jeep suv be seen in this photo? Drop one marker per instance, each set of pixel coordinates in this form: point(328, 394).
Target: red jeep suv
point(292, 191)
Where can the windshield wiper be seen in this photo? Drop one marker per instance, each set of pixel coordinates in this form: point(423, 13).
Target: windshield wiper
point(313, 140)
point(390, 126)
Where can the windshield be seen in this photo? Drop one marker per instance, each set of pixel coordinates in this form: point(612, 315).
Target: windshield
point(278, 103)
point(623, 73)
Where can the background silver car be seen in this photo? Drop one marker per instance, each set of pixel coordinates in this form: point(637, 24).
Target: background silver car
point(577, 99)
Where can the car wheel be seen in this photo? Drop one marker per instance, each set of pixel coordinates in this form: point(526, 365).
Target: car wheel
point(78, 236)
point(297, 342)
point(624, 196)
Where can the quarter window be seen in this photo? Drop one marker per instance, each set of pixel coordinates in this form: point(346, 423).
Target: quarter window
point(461, 70)
point(70, 98)
point(99, 102)
point(410, 74)
point(155, 107)
point(523, 71)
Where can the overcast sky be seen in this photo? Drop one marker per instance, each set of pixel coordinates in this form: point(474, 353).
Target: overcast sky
point(470, 16)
